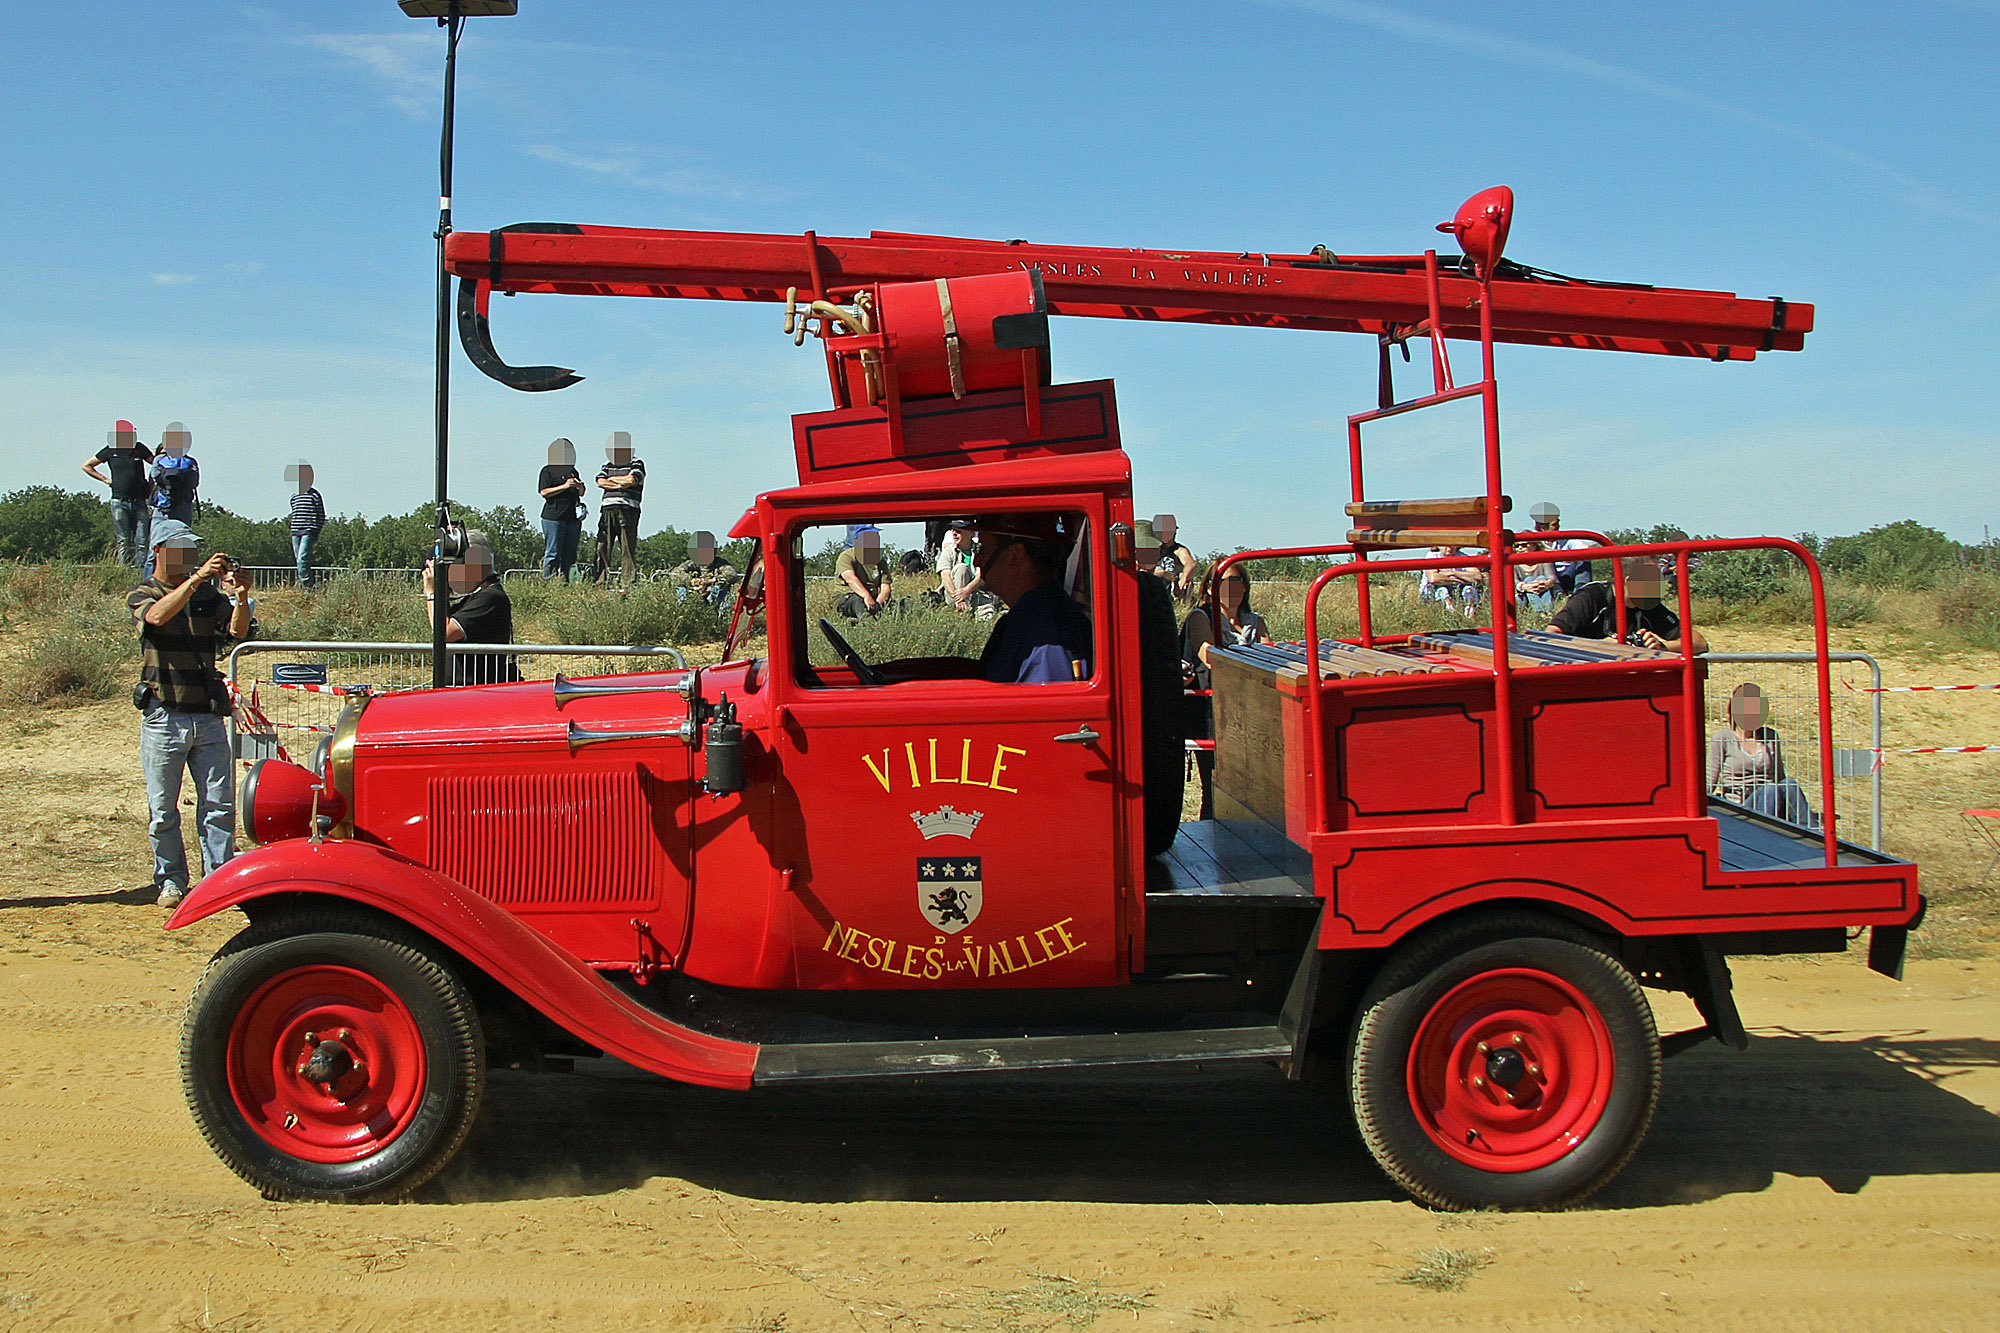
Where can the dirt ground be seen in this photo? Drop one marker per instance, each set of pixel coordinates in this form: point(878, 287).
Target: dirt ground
point(1845, 1171)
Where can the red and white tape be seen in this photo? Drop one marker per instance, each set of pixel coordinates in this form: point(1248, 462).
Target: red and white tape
point(342, 690)
point(1916, 689)
point(253, 714)
point(1943, 749)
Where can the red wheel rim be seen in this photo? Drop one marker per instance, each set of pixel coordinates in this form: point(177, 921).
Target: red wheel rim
point(368, 1041)
point(1511, 1070)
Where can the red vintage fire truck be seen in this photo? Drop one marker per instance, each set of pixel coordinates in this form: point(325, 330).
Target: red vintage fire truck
point(1443, 867)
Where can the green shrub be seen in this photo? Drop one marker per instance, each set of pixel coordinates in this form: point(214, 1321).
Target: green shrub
point(86, 650)
point(531, 597)
point(387, 609)
point(1744, 576)
point(649, 614)
point(48, 523)
point(1846, 606)
point(1894, 555)
point(917, 630)
point(31, 592)
point(249, 541)
point(1970, 605)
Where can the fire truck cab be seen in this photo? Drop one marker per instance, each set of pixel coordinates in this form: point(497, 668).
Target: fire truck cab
point(1442, 867)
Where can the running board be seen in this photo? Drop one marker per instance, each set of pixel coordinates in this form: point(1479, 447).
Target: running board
point(1282, 1043)
point(821, 1061)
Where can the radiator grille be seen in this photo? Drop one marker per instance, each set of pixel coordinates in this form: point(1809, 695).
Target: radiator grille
point(593, 839)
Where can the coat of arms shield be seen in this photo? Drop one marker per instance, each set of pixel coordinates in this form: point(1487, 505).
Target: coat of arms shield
point(949, 891)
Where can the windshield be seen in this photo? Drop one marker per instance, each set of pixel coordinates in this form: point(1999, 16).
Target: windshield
point(749, 601)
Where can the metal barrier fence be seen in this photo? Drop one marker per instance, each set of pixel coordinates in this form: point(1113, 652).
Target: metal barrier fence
point(1791, 691)
point(287, 576)
point(586, 574)
point(289, 693)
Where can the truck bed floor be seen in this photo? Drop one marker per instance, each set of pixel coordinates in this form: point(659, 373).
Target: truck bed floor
point(1751, 841)
point(1236, 858)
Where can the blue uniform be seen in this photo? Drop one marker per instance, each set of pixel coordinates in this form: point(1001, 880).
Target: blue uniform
point(1037, 641)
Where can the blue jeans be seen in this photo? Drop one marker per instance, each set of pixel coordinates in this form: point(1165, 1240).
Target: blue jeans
point(1783, 799)
point(560, 537)
point(131, 526)
point(302, 556)
point(199, 743)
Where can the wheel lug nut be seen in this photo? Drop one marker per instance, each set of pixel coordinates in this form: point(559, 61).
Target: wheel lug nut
point(302, 1069)
point(1534, 1068)
point(1518, 1038)
point(312, 1038)
point(1478, 1082)
point(1482, 1048)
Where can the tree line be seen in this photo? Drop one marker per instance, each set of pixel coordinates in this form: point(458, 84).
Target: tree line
point(41, 524)
point(46, 523)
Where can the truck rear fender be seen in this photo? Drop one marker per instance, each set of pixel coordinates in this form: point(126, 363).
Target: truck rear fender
point(488, 938)
point(1687, 963)
point(1554, 900)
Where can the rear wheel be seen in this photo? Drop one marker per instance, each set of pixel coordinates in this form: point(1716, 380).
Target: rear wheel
point(325, 1056)
point(1505, 1061)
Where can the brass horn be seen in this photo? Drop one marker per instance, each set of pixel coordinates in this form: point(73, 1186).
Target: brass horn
point(580, 736)
point(569, 689)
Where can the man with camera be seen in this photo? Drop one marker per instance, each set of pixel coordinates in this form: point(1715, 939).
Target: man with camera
point(476, 610)
point(184, 623)
point(1590, 612)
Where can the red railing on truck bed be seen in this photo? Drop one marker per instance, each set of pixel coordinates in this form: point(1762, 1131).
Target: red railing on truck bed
point(1503, 740)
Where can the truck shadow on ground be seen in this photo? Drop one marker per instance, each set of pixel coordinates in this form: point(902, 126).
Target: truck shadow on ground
point(1841, 1107)
point(134, 897)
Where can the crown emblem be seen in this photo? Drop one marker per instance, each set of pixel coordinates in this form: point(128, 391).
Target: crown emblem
point(946, 820)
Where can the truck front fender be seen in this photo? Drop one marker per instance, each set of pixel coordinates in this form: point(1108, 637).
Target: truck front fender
point(545, 976)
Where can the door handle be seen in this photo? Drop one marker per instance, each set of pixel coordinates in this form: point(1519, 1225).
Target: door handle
point(1083, 735)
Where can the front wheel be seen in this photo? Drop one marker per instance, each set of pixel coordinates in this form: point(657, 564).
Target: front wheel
point(324, 1059)
point(1504, 1062)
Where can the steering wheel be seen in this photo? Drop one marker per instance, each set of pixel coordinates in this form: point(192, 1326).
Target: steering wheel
point(863, 672)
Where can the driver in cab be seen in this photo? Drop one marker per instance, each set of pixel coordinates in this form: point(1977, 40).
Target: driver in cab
point(1045, 636)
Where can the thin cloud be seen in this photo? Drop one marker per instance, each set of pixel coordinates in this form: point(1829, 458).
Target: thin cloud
point(173, 279)
point(1529, 55)
point(411, 63)
point(629, 166)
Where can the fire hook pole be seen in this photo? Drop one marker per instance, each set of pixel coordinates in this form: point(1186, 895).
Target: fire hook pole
point(441, 611)
point(442, 552)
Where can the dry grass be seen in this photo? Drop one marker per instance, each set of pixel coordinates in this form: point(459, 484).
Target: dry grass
point(1444, 1270)
point(1047, 1299)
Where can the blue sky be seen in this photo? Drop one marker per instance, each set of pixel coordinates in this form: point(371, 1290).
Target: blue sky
point(223, 216)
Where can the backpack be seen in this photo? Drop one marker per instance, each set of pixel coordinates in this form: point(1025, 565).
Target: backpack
point(174, 478)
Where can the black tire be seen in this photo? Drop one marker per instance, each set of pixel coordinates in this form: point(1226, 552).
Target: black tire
point(1523, 1035)
point(393, 1026)
point(1162, 709)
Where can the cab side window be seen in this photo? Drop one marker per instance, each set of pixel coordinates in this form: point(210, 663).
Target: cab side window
point(925, 598)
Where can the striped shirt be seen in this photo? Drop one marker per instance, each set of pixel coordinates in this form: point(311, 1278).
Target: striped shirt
point(308, 511)
point(625, 497)
point(178, 658)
